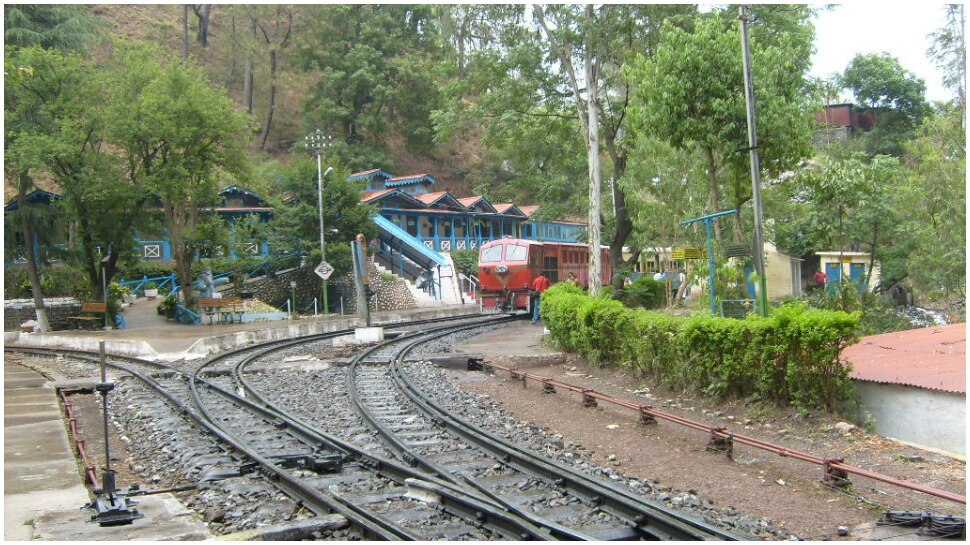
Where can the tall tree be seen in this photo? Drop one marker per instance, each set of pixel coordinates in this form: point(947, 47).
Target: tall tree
point(934, 205)
point(588, 114)
point(949, 51)
point(178, 134)
point(275, 30)
point(63, 27)
point(203, 12)
point(894, 95)
point(379, 69)
point(691, 95)
point(523, 84)
point(295, 227)
point(26, 97)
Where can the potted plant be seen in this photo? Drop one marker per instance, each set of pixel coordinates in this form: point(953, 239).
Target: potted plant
point(151, 291)
point(167, 307)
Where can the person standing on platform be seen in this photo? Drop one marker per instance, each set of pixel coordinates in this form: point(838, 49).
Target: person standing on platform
point(539, 285)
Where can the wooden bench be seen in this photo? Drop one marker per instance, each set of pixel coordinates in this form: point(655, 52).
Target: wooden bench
point(91, 308)
point(227, 309)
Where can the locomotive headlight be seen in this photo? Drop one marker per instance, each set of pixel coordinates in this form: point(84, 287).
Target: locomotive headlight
point(501, 269)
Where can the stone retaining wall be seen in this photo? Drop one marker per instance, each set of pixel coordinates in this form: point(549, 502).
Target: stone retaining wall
point(18, 311)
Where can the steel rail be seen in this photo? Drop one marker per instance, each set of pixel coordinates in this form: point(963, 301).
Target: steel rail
point(405, 453)
point(648, 517)
point(455, 498)
point(836, 464)
point(318, 502)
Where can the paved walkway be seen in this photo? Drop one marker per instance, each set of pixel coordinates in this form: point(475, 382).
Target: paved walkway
point(152, 336)
point(39, 470)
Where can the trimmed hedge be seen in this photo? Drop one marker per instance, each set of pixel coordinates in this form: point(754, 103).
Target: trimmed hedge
point(790, 357)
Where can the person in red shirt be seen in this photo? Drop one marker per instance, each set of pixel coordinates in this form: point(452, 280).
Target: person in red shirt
point(820, 279)
point(540, 284)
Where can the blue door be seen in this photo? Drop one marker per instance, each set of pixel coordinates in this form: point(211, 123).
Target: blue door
point(833, 273)
point(857, 272)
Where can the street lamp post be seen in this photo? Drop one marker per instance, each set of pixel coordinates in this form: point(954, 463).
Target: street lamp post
point(318, 142)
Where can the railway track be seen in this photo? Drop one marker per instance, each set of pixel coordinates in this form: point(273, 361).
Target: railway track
point(568, 504)
point(479, 486)
point(320, 473)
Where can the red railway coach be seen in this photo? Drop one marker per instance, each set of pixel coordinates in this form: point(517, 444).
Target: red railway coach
point(507, 268)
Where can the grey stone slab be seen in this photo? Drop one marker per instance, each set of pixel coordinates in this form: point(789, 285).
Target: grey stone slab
point(165, 519)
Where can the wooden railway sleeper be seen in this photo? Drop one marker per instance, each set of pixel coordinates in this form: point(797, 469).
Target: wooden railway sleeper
point(588, 399)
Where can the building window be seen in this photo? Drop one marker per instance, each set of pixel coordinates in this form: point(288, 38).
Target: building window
point(152, 251)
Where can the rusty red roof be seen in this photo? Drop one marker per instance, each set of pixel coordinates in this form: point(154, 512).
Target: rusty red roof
point(371, 195)
point(428, 198)
point(932, 357)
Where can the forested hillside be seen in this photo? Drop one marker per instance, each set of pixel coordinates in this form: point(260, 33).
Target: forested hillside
point(631, 117)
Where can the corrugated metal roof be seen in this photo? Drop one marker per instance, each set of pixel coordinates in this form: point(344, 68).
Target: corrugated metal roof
point(933, 357)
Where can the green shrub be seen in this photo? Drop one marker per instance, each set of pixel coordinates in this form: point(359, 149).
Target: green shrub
point(790, 357)
point(466, 260)
point(644, 292)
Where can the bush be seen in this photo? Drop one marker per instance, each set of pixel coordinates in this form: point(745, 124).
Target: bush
point(466, 260)
point(790, 357)
point(644, 292)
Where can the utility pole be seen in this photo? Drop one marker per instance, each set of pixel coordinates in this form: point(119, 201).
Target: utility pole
point(318, 143)
point(759, 235)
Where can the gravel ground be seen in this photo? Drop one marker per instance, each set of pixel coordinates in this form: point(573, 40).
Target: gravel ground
point(670, 459)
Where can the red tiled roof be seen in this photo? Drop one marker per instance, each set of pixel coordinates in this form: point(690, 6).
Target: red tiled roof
point(370, 195)
point(528, 210)
point(428, 198)
point(502, 207)
point(468, 201)
point(933, 357)
point(364, 173)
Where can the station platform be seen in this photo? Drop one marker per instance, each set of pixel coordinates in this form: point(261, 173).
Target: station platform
point(150, 336)
point(39, 471)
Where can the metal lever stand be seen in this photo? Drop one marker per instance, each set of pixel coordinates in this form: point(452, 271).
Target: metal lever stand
point(111, 504)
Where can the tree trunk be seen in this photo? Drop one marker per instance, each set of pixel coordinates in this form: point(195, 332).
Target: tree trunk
point(593, 159)
point(715, 197)
point(624, 225)
point(33, 271)
point(203, 12)
point(233, 52)
point(248, 69)
point(185, 31)
point(272, 100)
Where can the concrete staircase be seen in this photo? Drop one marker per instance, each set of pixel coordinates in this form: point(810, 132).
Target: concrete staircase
point(443, 276)
point(422, 297)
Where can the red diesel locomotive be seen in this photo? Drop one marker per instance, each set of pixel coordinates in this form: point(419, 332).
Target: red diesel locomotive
point(508, 267)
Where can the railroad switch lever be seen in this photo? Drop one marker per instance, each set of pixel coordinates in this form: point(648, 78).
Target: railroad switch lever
point(111, 504)
point(475, 364)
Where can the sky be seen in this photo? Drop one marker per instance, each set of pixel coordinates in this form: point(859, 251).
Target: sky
point(900, 29)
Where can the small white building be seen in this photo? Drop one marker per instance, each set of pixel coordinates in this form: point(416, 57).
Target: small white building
point(912, 386)
point(854, 265)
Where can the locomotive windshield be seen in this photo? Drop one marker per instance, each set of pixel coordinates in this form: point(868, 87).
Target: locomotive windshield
point(491, 254)
point(514, 252)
